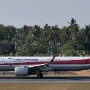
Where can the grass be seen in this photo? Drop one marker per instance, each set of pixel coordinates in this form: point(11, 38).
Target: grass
point(44, 86)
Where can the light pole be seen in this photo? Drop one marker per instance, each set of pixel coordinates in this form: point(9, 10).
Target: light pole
point(60, 44)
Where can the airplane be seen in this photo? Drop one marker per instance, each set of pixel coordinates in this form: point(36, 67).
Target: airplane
point(24, 66)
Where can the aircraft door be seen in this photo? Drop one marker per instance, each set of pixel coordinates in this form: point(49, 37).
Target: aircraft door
point(10, 61)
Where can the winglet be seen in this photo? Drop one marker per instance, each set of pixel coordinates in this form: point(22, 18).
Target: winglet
point(47, 64)
point(52, 59)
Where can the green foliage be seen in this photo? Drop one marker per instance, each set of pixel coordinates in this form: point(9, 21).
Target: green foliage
point(49, 40)
point(71, 48)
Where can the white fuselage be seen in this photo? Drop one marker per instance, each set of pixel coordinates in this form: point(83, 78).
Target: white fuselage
point(59, 63)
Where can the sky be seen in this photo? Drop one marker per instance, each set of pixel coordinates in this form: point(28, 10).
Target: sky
point(40, 12)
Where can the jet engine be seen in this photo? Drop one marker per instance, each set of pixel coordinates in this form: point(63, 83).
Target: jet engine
point(21, 71)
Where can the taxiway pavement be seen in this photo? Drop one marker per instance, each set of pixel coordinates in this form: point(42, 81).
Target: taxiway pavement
point(45, 79)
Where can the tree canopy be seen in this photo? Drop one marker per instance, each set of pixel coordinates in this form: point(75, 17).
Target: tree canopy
point(49, 40)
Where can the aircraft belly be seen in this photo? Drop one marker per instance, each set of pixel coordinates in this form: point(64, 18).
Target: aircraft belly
point(58, 67)
point(7, 68)
point(70, 67)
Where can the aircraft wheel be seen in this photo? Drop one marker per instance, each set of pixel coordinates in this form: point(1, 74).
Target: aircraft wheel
point(39, 75)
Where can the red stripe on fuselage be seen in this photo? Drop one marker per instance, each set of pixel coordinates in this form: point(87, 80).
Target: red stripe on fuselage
point(84, 61)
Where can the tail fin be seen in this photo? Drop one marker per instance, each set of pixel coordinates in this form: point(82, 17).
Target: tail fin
point(61, 54)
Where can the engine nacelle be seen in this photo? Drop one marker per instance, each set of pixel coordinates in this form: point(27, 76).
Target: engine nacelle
point(21, 71)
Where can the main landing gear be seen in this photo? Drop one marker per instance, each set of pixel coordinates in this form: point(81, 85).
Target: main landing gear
point(40, 75)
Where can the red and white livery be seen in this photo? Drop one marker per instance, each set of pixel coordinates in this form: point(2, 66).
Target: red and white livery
point(24, 66)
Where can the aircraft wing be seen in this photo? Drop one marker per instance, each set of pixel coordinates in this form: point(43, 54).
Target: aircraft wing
point(43, 65)
point(39, 65)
